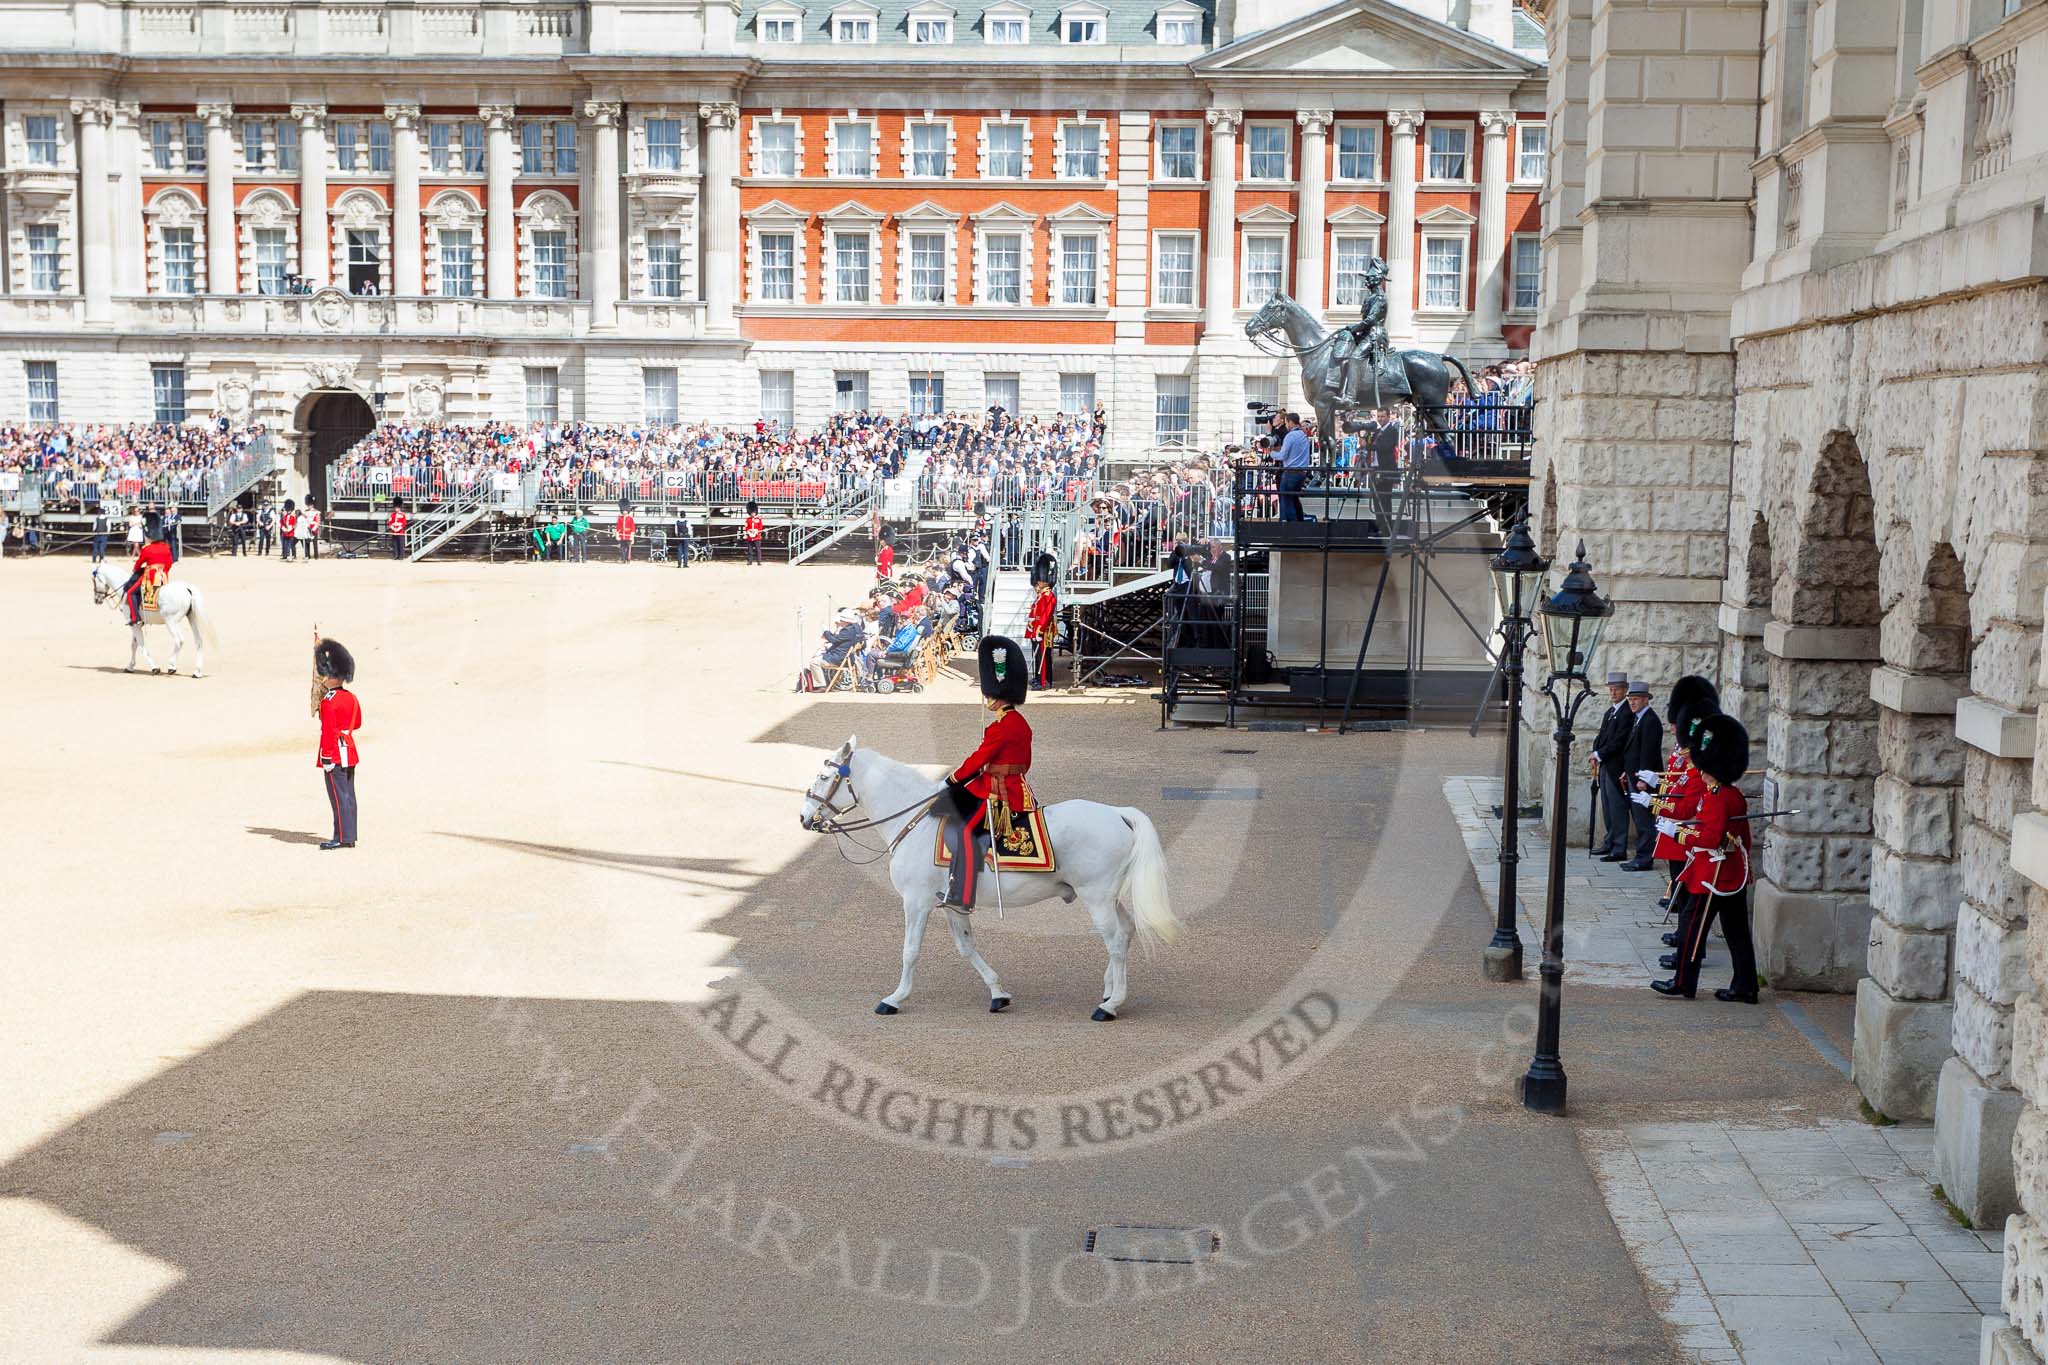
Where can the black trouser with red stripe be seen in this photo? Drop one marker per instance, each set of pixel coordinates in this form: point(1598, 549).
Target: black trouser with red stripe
point(341, 797)
point(1697, 917)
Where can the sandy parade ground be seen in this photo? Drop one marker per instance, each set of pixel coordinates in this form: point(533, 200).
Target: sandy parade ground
point(574, 1058)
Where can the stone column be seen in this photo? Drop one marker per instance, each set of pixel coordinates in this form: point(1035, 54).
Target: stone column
point(95, 210)
point(223, 254)
point(501, 260)
point(312, 192)
point(1313, 177)
point(1401, 126)
point(130, 251)
point(1219, 271)
point(408, 268)
point(601, 222)
point(720, 226)
point(1493, 230)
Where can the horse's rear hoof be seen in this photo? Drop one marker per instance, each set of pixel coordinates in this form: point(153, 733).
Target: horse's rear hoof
point(999, 1004)
point(154, 672)
point(885, 1008)
point(1101, 1016)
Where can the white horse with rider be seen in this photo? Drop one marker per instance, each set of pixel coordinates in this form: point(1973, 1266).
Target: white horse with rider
point(177, 603)
point(1109, 859)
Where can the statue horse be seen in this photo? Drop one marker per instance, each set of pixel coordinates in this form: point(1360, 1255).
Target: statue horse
point(176, 602)
point(1109, 857)
point(1428, 373)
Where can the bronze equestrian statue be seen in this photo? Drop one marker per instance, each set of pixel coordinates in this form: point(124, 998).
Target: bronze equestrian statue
point(1354, 368)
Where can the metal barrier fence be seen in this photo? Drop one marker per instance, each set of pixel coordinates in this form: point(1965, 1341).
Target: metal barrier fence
point(655, 487)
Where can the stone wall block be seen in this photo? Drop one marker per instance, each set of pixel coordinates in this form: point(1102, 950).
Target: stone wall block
point(1853, 749)
point(1914, 820)
point(1795, 862)
point(1661, 555)
point(1990, 955)
point(1848, 861)
point(1691, 511)
point(1657, 375)
point(1654, 466)
point(1922, 750)
point(1693, 419)
point(2025, 1289)
point(1988, 875)
point(1910, 964)
point(1826, 805)
point(1796, 745)
point(1812, 687)
point(2030, 1161)
point(2030, 1050)
point(1917, 892)
point(1983, 1035)
point(1621, 419)
point(1995, 789)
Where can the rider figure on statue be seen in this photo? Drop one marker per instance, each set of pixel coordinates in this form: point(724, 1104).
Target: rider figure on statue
point(152, 566)
point(989, 787)
point(1360, 349)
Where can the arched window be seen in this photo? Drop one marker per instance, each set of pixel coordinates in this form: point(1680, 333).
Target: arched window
point(269, 227)
point(361, 225)
point(455, 246)
point(547, 247)
point(177, 243)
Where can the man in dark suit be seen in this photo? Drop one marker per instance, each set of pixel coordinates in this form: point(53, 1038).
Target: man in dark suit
point(1644, 752)
point(1607, 768)
point(1386, 440)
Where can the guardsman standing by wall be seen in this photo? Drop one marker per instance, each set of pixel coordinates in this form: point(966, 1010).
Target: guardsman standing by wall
point(751, 533)
point(288, 531)
point(625, 528)
point(395, 523)
point(1042, 629)
point(1716, 876)
point(341, 715)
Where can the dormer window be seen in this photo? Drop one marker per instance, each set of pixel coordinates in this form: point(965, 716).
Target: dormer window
point(1006, 27)
point(1179, 26)
point(930, 25)
point(853, 24)
point(1083, 25)
point(779, 24)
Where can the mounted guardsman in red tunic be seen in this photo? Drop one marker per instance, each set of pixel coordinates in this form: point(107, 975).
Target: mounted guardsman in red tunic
point(1715, 879)
point(988, 792)
point(152, 567)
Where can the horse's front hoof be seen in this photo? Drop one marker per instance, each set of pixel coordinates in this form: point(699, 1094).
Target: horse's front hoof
point(999, 1004)
point(1101, 1016)
point(885, 1008)
point(154, 672)
point(129, 669)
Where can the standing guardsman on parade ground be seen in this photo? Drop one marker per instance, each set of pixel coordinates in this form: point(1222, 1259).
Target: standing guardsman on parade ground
point(990, 785)
point(394, 526)
point(1042, 630)
point(152, 565)
point(752, 532)
point(341, 715)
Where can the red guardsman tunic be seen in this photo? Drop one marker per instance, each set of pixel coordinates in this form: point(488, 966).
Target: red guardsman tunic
point(341, 715)
point(1001, 761)
point(1043, 608)
point(1679, 798)
point(754, 528)
point(1719, 829)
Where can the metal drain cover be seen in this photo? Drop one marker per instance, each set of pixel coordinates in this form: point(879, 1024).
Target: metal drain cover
point(1154, 1246)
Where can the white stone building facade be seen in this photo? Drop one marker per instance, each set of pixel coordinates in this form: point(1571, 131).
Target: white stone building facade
point(629, 211)
point(1792, 374)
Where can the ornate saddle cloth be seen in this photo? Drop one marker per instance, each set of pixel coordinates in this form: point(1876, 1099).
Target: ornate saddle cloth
point(1017, 841)
point(151, 581)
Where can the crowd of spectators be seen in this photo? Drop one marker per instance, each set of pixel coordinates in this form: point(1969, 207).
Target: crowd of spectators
point(914, 616)
point(82, 468)
point(589, 462)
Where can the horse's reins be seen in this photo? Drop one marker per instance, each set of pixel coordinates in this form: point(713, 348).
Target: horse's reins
point(838, 828)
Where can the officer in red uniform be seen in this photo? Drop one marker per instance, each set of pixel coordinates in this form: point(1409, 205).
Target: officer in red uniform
point(395, 525)
point(1693, 699)
point(1715, 882)
point(341, 715)
point(1042, 631)
point(885, 556)
point(751, 533)
point(153, 560)
point(996, 771)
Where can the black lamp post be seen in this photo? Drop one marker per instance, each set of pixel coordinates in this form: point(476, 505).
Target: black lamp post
point(1515, 569)
point(1573, 621)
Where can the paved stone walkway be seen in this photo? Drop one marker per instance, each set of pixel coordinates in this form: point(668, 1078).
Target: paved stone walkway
point(1799, 1244)
point(1613, 930)
point(1768, 1243)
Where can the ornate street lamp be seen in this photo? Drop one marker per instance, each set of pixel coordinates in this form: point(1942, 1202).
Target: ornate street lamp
point(1573, 620)
point(1517, 570)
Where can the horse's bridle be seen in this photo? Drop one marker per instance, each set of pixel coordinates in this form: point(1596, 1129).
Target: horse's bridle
point(829, 821)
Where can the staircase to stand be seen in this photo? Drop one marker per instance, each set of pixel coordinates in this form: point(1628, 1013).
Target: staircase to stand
point(256, 463)
point(844, 513)
point(437, 524)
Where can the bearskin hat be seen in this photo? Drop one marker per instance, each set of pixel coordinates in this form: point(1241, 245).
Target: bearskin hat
point(753, 508)
point(332, 660)
point(1720, 749)
point(1691, 698)
point(1005, 676)
point(153, 525)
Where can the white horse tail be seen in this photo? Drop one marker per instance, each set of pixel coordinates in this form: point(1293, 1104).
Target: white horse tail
point(202, 624)
point(1144, 888)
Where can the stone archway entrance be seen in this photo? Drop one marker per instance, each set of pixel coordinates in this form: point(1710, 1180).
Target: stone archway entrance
point(329, 423)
